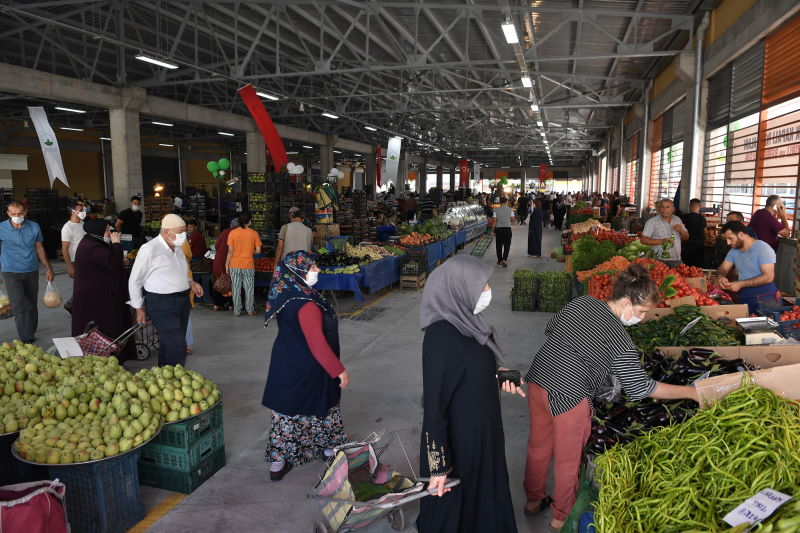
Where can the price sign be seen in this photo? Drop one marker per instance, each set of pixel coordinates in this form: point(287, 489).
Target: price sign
point(757, 508)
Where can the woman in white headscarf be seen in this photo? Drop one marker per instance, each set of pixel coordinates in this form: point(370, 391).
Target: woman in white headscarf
point(462, 429)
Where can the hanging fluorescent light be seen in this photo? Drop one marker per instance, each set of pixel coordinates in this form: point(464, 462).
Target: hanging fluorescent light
point(526, 81)
point(267, 95)
point(337, 152)
point(71, 109)
point(105, 138)
point(330, 115)
point(510, 32)
point(491, 148)
point(553, 125)
point(156, 61)
point(72, 129)
point(540, 123)
point(307, 146)
point(226, 134)
point(420, 144)
point(543, 133)
point(167, 124)
point(356, 155)
point(535, 108)
point(292, 153)
point(166, 145)
point(370, 128)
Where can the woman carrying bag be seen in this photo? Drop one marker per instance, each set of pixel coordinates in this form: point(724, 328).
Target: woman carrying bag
point(305, 375)
point(462, 428)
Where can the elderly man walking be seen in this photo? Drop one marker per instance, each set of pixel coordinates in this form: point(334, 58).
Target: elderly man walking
point(159, 288)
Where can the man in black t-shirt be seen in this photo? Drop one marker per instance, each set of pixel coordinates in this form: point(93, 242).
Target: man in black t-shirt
point(692, 249)
point(129, 222)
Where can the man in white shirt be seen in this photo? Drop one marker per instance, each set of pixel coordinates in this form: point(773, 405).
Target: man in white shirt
point(72, 233)
point(664, 233)
point(159, 282)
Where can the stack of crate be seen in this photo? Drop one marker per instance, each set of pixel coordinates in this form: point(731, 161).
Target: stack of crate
point(157, 208)
point(185, 453)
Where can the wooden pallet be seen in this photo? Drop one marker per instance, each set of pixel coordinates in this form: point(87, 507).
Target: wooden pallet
point(413, 282)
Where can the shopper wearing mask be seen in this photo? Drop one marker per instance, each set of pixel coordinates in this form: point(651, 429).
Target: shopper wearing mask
point(243, 243)
point(503, 217)
point(535, 230)
point(21, 251)
point(100, 290)
point(567, 371)
point(306, 376)
point(462, 427)
point(159, 288)
point(129, 223)
point(71, 234)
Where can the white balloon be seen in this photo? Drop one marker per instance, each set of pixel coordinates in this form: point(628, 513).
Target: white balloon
point(333, 172)
point(221, 172)
point(290, 167)
point(299, 169)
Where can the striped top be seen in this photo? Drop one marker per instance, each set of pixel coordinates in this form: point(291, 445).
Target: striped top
point(585, 342)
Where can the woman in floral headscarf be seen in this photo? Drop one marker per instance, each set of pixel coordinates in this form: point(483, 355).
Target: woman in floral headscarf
point(305, 375)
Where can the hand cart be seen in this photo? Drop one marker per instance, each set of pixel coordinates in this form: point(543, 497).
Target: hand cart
point(146, 341)
point(94, 342)
point(356, 489)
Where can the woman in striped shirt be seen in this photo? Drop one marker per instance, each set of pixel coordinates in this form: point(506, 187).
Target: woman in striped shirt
point(586, 341)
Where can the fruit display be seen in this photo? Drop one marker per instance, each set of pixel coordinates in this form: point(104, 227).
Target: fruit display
point(363, 252)
point(336, 259)
point(666, 331)
point(5, 303)
point(620, 239)
point(435, 227)
point(417, 239)
point(183, 393)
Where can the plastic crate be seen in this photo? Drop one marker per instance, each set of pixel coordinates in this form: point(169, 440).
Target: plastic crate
point(786, 328)
point(184, 434)
point(185, 482)
point(102, 497)
point(522, 301)
point(415, 262)
point(183, 459)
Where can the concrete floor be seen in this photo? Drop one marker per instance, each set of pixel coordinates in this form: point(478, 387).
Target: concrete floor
point(382, 355)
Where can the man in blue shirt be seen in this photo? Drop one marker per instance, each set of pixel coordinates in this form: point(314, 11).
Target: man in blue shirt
point(21, 251)
point(754, 261)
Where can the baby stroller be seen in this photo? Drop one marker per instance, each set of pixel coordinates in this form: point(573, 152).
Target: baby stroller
point(356, 489)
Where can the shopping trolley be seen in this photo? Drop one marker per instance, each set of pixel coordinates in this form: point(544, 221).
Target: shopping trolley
point(146, 341)
point(356, 489)
point(93, 342)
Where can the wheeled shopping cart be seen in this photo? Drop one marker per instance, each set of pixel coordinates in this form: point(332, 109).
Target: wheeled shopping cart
point(356, 489)
point(146, 341)
point(94, 342)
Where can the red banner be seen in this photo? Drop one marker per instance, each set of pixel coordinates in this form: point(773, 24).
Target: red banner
point(266, 127)
point(463, 168)
point(542, 173)
point(378, 165)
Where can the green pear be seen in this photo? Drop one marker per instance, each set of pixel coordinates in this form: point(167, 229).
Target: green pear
point(96, 454)
point(184, 412)
point(125, 445)
point(67, 457)
point(172, 416)
point(53, 456)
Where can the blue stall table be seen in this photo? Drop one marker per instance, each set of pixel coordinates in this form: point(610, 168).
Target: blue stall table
point(263, 279)
point(461, 237)
point(435, 253)
point(449, 246)
point(341, 282)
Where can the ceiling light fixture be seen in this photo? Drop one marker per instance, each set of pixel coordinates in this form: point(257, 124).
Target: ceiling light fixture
point(71, 109)
point(540, 123)
point(267, 95)
point(491, 148)
point(510, 32)
point(226, 134)
point(356, 155)
point(553, 125)
point(526, 81)
point(370, 128)
point(72, 129)
point(330, 115)
point(307, 146)
point(105, 138)
point(156, 61)
point(292, 153)
point(535, 108)
point(162, 124)
point(167, 145)
point(337, 152)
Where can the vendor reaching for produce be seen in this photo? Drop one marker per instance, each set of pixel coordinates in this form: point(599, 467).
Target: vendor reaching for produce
point(664, 233)
point(586, 341)
point(754, 261)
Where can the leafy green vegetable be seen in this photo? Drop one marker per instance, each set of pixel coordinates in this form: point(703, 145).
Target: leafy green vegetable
point(588, 252)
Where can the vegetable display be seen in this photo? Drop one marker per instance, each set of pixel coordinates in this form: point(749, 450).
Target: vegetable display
point(435, 227)
point(265, 264)
point(636, 249)
point(588, 252)
point(616, 263)
point(666, 331)
point(619, 239)
point(416, 239)
point(688, 476)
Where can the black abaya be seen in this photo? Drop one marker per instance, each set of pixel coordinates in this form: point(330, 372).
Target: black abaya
point(462, 436)
point(535, 232)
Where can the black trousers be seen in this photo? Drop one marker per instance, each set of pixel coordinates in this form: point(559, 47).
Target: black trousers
point(23, 291)
point(169, 314)
point(502, 242)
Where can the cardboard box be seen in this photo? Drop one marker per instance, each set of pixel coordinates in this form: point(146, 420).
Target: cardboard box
point(731, 312)
point(683, 300)
point(697, 283)
point(768, 356)
point(326, 231)
point(783, 381)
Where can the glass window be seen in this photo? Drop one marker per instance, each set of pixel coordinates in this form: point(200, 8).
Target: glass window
point(781, 156)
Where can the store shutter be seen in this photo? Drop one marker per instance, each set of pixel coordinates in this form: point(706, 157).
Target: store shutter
point(746, 83)
point(666, 127)
point(782, 63)
point(678, 121)
point(719, 98)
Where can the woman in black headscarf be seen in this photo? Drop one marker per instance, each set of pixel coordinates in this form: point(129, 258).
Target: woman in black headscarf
point(101, 290)
point(462, 429)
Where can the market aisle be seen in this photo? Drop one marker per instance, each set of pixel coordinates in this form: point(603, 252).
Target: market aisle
point(381, 348)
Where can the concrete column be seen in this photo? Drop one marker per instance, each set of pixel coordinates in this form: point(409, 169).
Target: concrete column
point(370, 176)
point(440, 178)
point(423, 176)
point(126, 154)
point(452, 178)
point(256, 152)
point(326, 160)
point(402, 174)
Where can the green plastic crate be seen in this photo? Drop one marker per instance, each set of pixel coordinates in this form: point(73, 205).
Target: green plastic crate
point(185, 482)
point(184, 434)
point(522, 301)
point(182, 459)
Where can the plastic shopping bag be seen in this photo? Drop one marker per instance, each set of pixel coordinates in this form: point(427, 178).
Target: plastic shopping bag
point(6, 311)
point(51, 298)
point(36, 507)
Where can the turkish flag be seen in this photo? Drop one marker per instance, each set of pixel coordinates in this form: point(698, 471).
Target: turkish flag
point(542, 173)
point(271, 137)
point(463, 168)
point(378, 166)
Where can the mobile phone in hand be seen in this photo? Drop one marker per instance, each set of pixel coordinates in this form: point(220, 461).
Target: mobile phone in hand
point(509, 375)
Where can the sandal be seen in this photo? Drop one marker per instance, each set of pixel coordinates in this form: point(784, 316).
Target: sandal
point(544, 503)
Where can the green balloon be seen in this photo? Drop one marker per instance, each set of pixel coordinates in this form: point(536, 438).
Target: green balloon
point(212, 167)
point(224, 164)
point(504, 181)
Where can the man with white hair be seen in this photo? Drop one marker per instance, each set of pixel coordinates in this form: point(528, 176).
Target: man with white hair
point(159, 284)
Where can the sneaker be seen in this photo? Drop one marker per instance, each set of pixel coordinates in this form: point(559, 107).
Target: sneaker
point(277, 476)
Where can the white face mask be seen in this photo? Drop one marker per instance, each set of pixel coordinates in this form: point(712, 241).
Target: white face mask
point(312, 278)
point(483, 301)
point(180, 238)
point(81, 214)
point(18, 220)
point(134, 208)
point(632, 321)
